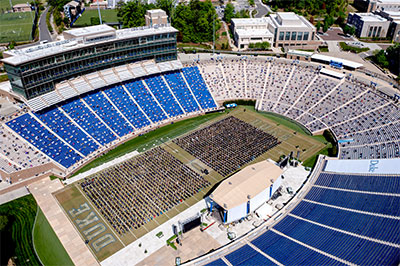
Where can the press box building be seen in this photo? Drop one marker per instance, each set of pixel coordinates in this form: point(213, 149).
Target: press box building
point(36, 70)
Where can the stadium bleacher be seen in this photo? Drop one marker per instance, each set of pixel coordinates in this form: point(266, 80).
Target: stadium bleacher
point(30, 129)
point(344, 218)
point(130, 110)
point(143, 97)
point(163, 95)
point(82, 115)
point(181, 92)
point(64, 128)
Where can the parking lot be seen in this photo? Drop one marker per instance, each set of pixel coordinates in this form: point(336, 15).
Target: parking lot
point(334, 34)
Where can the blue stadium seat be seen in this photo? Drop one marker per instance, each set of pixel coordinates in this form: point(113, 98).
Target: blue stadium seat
point(373, 183)
point(358, 223)
point(389, 205)
point(44, 140)
point(88, 121)
point(160, 90)
point(199, 87)
point(65, 129)
point(350, 248)
point(103, 108)
point(246, 255)
point(181, 91)
point(143, 97)
point(289, 252)
point(131, 111)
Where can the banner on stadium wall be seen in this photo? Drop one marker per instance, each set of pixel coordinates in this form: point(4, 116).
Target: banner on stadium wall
point(365, 166)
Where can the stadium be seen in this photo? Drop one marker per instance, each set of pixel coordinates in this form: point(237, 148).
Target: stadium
point(189, 161)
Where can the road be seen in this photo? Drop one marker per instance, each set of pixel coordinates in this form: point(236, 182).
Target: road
point(262, 9)
point(44, 34)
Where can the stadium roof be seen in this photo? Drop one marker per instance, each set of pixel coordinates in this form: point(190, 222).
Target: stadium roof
point(327, 59)
point(250, 181)
point(32, 53)
point(332, 73)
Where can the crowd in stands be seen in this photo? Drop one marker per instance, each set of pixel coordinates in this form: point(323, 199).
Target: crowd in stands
point(83, 125)
point(134, 192)
point(20, 154)
point(297, 90)
point(344, 218)
point(227, 145)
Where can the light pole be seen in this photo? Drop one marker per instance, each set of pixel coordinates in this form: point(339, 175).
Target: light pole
point(213, 35)
point(98, 8)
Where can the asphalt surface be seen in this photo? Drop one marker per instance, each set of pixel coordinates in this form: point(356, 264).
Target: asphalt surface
point(262, 10)
point(44, 34)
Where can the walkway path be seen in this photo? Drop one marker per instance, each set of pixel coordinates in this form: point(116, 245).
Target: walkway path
point(65, 231)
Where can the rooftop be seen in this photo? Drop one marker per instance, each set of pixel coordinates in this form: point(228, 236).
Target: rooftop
point(250, 181)
point(254, 33)
point(287, 15)
point(81, 32)
point(248, 21)
point(19, 56)
point(371, 17)
point(289, 19)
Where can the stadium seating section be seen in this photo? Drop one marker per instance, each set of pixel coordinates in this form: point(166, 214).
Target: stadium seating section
point(365, 117)
point(343, 219)
point(84, 124)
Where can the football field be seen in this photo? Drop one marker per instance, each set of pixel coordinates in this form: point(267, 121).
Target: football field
point(16, 26)
point(100, 232)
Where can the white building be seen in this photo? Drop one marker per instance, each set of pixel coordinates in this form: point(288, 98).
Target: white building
point(291, 29)
point(369, 25)
point(394, 28)
point(251, 30)
point(244, 192)
point(377, 5)
point(280, 30)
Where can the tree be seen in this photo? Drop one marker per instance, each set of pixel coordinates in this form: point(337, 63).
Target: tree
point(325, 28)
point(3, 222)
point(318, 25)
point(195, 21)
point(349, 30)
point(380, 58)
point(229, 13)
point(167, 5)
point(131, 14)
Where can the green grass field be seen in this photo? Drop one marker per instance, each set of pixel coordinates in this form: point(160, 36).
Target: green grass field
point(16, 27)
point(16, 236)
point(47, 245)
point(107, 15)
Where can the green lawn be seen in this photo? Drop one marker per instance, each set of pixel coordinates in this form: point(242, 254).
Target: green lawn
point(107, 15)
point(151, 139)
point(5, 4)
point(48, 246)
point(15, 27)
point(286, 122)
point(16, 236)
